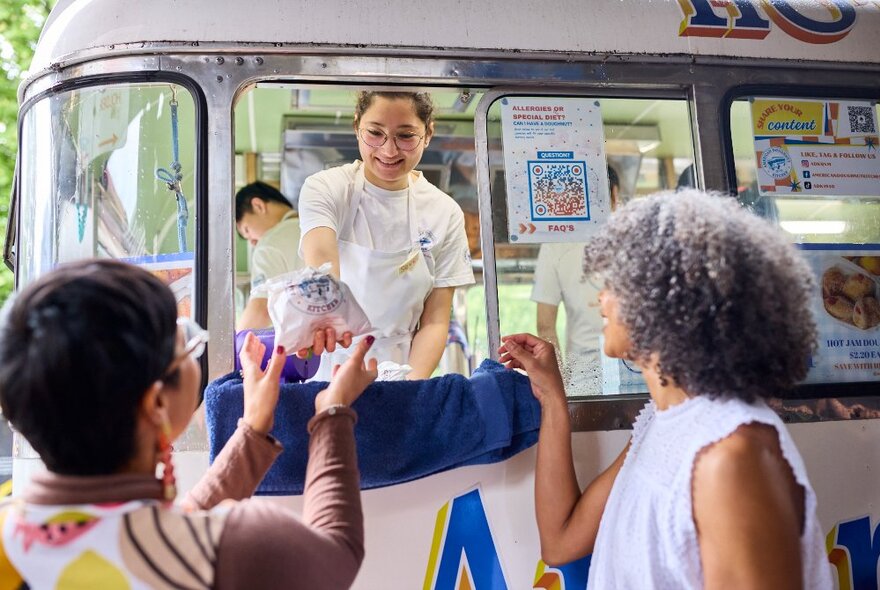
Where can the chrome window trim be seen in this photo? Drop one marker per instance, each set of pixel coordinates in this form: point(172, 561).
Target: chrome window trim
point(224, 70)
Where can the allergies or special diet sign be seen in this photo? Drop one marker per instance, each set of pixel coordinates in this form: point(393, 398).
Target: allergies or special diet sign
point(554, 163)
point(816, 147)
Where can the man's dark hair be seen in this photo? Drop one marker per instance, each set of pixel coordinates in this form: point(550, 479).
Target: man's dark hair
point(79, 348)
point(613, 179)
point(259, 190)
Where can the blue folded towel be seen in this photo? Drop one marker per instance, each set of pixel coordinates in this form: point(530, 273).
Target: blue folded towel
point(406, 429)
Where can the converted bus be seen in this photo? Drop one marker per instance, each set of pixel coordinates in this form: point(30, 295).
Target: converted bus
point(139, 121)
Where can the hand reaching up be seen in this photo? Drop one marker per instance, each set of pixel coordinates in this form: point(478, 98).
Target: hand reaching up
point(349, 379)
point(537, 358)
point(260, 387)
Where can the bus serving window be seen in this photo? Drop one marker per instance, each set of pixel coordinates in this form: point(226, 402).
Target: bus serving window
point(569, 161)
point(109, 171)
point(812, 166)
point(284, 133)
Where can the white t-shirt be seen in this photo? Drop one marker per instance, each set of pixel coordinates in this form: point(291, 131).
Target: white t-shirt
point(560, 278)
point(381, 219)
point(275, 254)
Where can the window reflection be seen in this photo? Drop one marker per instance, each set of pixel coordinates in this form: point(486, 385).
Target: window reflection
point(542, 287)
point(113, 147)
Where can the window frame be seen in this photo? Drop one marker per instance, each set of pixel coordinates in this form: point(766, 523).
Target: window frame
point(805, 391)
point(484, 186)
point(200, 172)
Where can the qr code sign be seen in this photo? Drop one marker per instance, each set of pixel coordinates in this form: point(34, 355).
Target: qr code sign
point(861, 119)
point(558, 190)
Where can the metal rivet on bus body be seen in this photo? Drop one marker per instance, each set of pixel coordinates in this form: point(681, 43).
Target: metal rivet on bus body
point(219, 78)
point(259, 61)
point(324, 66)
point(239, 61)
point(220, 60)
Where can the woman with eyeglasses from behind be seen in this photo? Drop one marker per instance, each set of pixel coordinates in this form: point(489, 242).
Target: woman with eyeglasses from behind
point(100, 376)
point(395, 239)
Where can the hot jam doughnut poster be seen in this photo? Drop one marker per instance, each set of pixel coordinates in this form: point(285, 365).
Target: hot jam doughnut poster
point(847, 312)
point(816, 147)
point(554, 165)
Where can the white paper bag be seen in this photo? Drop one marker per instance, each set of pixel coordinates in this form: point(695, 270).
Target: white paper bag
point(309, 299)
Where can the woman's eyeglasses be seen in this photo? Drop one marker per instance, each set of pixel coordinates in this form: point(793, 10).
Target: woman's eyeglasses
point(376, 138)
point(195, 338)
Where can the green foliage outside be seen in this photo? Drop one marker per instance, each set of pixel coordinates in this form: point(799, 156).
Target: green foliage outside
point(20, 24)
point(517, 313)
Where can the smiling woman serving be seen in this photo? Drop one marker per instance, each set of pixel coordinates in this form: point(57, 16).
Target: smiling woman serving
point(395, 239)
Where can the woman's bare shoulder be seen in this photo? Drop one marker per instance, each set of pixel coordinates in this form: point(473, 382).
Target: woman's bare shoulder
point(751, 451)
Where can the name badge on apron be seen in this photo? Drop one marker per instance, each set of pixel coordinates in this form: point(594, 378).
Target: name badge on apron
point(410, 263)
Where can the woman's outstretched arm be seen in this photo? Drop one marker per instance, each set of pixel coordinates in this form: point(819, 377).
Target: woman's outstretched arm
point(265, 546)
point(568, 519)
point(249, 453)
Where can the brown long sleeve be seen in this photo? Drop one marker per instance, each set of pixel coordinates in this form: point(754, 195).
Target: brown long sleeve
point(265, 546)
point(237, 470)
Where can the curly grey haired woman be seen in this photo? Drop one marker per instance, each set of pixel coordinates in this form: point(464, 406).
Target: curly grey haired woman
point(712, 304)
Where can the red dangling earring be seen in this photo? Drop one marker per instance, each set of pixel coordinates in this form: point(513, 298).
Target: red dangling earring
point(169, 484)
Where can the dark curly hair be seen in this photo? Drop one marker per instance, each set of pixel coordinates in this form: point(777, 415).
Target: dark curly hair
point(79, 348)
point(718, 294)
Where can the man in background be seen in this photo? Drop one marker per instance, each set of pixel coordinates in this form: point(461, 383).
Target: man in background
point(560, 278)
point(265, 219)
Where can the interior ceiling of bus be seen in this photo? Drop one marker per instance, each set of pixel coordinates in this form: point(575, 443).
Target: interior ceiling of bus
point(655, 128)
point(261, 113)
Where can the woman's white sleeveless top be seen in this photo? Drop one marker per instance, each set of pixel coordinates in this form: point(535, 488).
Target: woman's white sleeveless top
point(647, 538)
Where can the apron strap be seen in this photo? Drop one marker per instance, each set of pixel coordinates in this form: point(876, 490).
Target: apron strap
point(411, 214)
point(346, 231)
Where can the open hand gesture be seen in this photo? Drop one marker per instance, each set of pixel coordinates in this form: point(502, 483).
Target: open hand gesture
point(260, 387)
point(349, 379)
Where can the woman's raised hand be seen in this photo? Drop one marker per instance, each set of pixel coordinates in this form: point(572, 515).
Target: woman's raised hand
point(260, 387)
point(349, 379)
point(537, 357)
point(325, 339)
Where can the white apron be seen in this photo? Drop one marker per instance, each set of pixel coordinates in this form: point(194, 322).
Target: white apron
point(391, 287)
